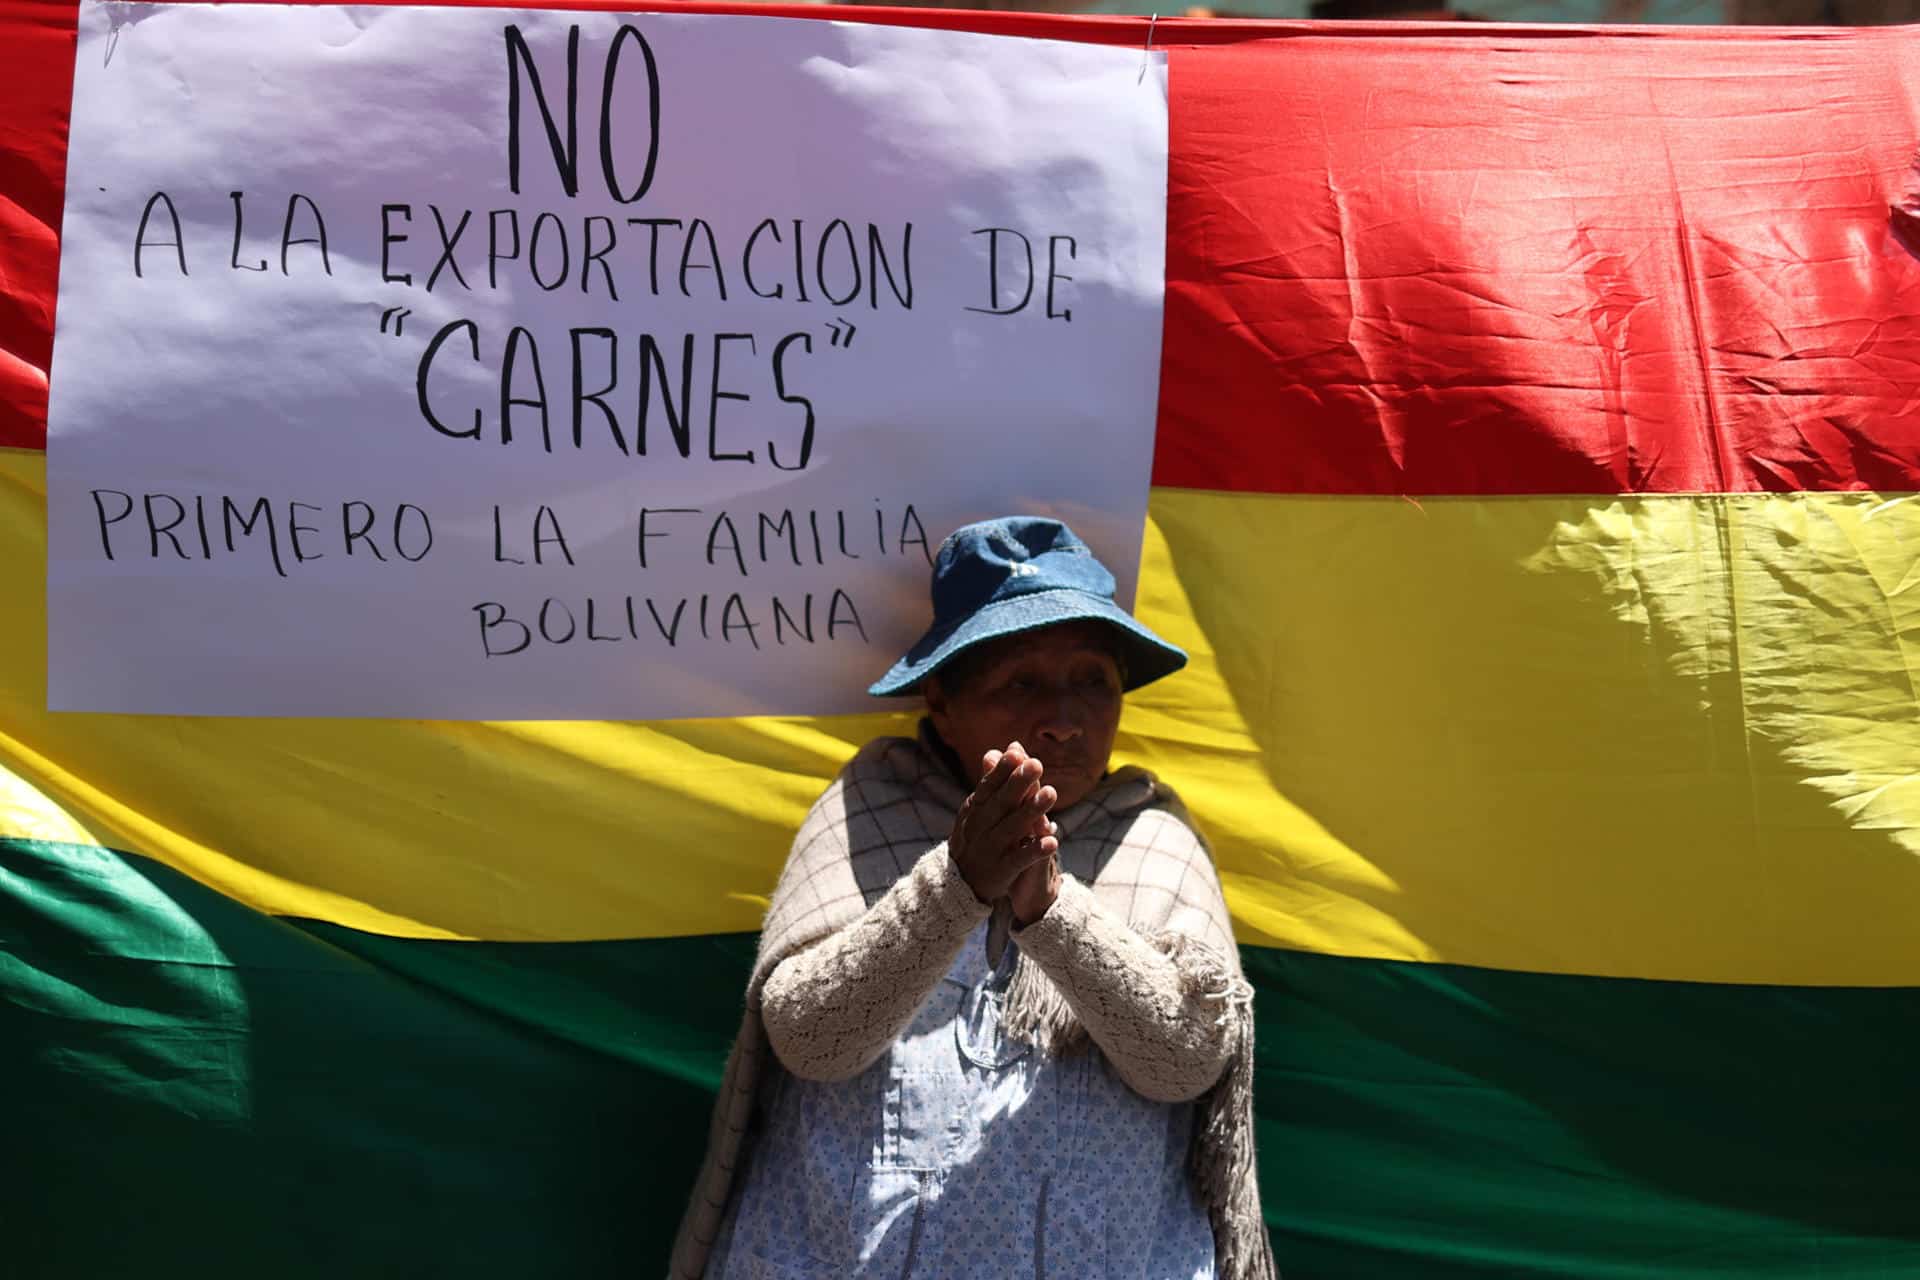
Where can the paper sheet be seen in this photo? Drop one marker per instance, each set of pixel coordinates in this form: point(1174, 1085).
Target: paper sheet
point(400, 373)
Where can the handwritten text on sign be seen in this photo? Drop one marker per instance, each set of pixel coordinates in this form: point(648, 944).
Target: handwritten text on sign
point(480, 363)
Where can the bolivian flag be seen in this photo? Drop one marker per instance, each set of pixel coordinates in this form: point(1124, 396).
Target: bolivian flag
point(1535, 489)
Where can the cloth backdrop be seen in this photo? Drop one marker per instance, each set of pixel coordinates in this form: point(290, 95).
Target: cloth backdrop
point(1535, 490)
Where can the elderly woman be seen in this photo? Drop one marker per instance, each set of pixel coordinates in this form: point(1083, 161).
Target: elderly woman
point(997, 1025)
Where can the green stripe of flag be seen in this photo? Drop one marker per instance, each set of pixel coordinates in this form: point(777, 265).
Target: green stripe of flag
point(200, 1088)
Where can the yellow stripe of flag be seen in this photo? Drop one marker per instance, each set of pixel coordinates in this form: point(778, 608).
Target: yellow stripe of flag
point(1665, 736)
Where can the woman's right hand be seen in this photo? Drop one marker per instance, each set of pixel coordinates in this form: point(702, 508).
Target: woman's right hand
point(1003, 826)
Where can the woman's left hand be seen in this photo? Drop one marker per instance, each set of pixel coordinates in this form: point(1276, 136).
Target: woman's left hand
point(1034, 890)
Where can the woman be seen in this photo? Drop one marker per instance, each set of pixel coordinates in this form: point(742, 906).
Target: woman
point(997, 1025)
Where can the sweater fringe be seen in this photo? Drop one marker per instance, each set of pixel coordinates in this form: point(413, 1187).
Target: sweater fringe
point(1037, 1013)
point(1222, 1163)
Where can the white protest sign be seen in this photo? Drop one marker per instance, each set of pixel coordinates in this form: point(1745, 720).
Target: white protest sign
point(484, 363)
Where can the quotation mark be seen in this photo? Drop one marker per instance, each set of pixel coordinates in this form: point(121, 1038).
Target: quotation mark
point(398, 315)
point(836, 338)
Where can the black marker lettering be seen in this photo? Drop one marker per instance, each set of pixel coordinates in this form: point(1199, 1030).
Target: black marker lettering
point(734, 617)
point(799, 263)
point(783, 525)
point(295, 529)
point(598, 255)
point(591, 634)
point(546, 633)
point(699, 227)
point(910, 520)
point(732, 543)
point(606, 115)
point(156, 531)
point(680, 421)
point(646, 533)
point(582, 398)
point(566, 154)
point(288, 239)
point(508, 400)
point(239, 217)
point(716, 395)
point(546, 528)
point(993, 235)
point(500, 555)
point(853, 261)
point(878, 265)
point(1054, 273)
point(178, 244)
point(260, 512)
point(100, 509)
point(781, 616)
point(533, 253)
point(499, 619)
point(653, 226)
point(447, 242)
point(780, 391)
point(672, 633)
point(746, 262)
point(200, 526)
point(399, 527)
point(494, 256)
point(426, 368)
point(834, 620)
point(353, 535)
point(387, 240)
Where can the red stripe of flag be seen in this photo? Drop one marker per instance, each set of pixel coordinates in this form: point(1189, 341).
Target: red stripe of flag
point(1426, 259)
point(1481, 266)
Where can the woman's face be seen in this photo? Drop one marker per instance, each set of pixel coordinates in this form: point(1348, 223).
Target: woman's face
point(1055, 691)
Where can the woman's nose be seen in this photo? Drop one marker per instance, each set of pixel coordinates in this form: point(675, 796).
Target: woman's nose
point(1059, 723)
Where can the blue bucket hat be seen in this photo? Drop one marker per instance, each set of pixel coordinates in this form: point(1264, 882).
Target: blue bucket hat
point(1020, 573)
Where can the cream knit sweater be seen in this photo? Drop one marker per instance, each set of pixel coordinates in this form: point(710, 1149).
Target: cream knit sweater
point(833, 1009)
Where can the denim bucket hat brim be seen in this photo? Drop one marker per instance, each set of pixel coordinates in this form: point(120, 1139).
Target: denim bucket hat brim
point(1004, 577)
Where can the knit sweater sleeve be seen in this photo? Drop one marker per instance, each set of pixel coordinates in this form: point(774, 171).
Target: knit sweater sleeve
point(1155, 1008)
point(831, 1009)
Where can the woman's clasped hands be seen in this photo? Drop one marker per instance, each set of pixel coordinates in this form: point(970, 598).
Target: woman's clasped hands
point(1003, 842)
